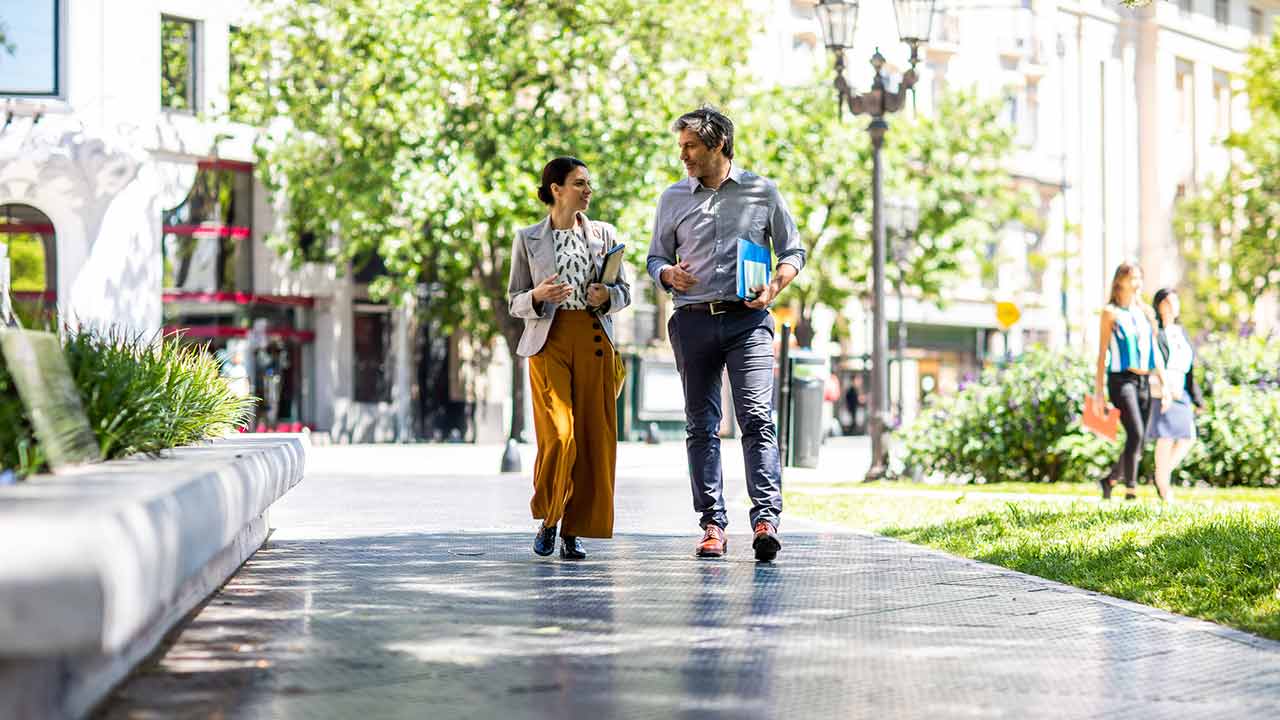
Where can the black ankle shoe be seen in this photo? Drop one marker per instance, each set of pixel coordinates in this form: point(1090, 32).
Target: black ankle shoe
point(544, 543)
point(1107, 483)
point(571, 548)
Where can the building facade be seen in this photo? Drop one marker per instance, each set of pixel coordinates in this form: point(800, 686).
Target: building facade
point(127, 201)
point(1117, 113)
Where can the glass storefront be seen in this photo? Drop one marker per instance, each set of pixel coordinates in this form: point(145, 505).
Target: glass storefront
point(265, 342)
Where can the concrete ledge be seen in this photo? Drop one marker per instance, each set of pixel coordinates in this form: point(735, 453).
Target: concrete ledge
point(97, 566)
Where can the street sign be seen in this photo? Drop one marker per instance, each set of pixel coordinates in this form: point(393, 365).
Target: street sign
point(1007, 314)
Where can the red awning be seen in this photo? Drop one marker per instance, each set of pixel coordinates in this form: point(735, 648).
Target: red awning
point(239, 298)
point(235, 232)
point(23, 228)
point(230, 331)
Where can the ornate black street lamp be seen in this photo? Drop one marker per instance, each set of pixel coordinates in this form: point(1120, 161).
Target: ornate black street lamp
point(839, 19)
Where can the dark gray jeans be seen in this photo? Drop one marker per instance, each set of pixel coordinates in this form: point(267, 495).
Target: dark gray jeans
point(704, 346)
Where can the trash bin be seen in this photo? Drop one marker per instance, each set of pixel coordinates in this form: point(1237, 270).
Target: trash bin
point(808, 381)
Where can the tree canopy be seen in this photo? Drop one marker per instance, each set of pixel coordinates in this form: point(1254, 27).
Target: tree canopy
point(415, 130)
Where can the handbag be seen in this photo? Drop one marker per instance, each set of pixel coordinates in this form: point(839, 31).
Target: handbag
point(619, 374)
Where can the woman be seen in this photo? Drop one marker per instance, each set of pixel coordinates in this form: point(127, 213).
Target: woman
point(1173, 422)
point(568, 338)
point(1126, 357)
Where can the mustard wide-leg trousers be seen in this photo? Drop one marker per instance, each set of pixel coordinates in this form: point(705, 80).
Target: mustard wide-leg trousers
point(575, 417)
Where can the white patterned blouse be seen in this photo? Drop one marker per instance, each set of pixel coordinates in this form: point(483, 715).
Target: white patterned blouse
point(573, 263)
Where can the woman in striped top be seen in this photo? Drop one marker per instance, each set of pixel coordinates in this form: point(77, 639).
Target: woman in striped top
point(1126, 357)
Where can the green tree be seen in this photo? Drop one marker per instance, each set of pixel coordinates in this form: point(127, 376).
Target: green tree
point(414, 130)
point(953, 162)
point(1230, 231)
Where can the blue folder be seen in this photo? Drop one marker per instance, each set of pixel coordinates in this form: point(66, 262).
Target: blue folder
point(755, 264)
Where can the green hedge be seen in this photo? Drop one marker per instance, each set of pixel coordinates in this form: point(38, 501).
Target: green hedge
point(139, 397)
point(1022, 423)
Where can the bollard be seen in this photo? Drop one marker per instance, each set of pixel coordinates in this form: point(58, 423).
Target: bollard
point(511, 457)
point(651, 434)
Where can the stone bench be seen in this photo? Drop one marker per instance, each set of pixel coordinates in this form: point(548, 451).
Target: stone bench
point(96, 566)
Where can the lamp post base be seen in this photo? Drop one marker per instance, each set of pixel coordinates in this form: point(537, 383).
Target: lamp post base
point(511, 457)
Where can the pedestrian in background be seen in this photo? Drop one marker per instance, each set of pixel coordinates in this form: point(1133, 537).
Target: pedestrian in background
point(568, 338)
point(1126, 358)
point(694, 256)
point(1173, 423)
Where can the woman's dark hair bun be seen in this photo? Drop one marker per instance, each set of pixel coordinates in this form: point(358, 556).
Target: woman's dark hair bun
point(555, 173)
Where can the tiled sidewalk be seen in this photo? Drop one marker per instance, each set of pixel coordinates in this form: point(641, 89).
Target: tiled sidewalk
point(400, 584)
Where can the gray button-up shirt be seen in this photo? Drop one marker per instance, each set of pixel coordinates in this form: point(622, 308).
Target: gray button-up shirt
point(702, 225)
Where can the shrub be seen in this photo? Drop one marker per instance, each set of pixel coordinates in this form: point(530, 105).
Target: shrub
point(139, 397)
point(1236, 439)
point(1017, 423)
point(1228, 360)
point(1021, 422)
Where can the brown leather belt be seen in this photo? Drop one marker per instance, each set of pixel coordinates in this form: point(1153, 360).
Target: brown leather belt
point(717, 307)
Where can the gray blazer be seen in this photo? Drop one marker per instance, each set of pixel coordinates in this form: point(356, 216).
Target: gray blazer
point(533, 259)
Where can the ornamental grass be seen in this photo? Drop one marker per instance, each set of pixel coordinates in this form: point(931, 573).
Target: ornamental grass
point(139, 395)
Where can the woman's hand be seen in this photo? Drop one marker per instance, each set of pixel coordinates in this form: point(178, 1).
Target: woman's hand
point(1172, 394)
point(597, 295)
point(551, 291)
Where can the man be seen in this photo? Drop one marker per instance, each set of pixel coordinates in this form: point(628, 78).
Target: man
point(694, 256)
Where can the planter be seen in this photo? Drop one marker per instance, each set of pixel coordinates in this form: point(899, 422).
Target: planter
point(100, 564)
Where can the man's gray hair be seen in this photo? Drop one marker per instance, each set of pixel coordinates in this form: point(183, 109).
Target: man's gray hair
point(710, 125)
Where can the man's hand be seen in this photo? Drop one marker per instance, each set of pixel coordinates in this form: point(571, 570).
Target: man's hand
point(764, 295)
point(551, 291)
point(597, 295)
point(679, 277)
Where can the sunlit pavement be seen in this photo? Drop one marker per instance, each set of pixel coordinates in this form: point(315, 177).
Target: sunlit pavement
point(399, 583)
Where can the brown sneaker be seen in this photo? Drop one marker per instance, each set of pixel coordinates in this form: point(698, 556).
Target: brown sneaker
point(713, 542)
point(766, 543)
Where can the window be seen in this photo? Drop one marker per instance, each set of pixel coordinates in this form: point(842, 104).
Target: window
point(372, 336)
point(1011, 114)
point(990, 265)
point(206, 240)
point(178, 64)
point(239, 70)
point(1222, 12)
point(32, 248)
point(1037, 260)
point(1184, 85)
point(1029, 129)
point(937, 72)
point(29, 55)
point(1257, 22)
point(1185, 6)
point(1222, 103)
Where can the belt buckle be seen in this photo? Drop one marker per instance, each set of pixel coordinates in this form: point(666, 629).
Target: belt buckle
point(711, 307)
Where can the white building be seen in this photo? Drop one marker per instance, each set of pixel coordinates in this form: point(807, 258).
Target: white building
point(1116, 112)
point(133, 205)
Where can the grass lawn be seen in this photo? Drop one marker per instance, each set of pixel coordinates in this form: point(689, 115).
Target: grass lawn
point(1213, 555)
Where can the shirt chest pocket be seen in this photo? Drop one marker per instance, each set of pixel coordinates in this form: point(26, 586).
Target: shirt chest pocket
point(754, 223)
